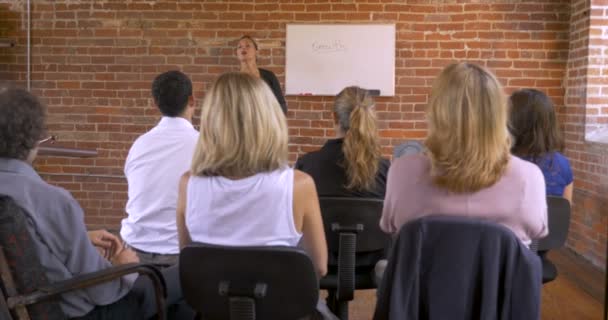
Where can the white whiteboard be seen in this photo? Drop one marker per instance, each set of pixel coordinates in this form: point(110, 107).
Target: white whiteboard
point(322, 59)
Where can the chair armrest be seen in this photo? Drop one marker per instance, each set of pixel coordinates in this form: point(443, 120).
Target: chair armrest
point(92, 279)
point(379, 271)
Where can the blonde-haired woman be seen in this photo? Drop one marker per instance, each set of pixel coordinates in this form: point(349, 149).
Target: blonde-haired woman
point(467, 169)
point(350, 165)
point(240, 190)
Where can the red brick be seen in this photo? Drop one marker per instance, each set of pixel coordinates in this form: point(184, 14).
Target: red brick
point(93, 64)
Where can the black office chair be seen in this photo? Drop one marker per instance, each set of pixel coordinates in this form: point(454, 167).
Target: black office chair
point(558, 211)
point(407, 148)
point(459, 268)
point(247, 283)
point(355, 243)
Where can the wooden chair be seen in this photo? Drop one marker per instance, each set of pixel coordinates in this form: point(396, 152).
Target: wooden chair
point(25, 292)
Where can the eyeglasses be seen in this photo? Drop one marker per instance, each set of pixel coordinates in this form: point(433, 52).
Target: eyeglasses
point(49, 138)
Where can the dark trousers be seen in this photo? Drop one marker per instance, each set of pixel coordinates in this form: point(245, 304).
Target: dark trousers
point(140, 302)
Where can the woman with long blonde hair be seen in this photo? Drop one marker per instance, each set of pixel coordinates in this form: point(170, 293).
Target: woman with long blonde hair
point(467, 169)
point(350, 165)
point(240, 190)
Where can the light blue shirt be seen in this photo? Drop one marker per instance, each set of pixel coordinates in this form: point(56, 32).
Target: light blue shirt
point(56, 223)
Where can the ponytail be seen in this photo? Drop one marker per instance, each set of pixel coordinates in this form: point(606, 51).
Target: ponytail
point(361, 147)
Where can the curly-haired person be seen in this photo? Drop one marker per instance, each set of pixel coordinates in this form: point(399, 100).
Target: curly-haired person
point(59, 235)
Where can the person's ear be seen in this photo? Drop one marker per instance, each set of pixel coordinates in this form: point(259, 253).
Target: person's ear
point(191, 101)
point(190, 107)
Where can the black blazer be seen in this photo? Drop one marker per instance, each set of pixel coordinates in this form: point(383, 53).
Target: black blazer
point(324, 166)
point(275, 86)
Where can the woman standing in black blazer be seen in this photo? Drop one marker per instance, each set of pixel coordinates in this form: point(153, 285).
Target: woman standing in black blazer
point(246, 51)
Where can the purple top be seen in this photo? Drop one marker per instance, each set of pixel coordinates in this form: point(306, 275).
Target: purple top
point(517, 200)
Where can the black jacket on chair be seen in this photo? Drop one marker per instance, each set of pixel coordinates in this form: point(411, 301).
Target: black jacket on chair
point(459, 268)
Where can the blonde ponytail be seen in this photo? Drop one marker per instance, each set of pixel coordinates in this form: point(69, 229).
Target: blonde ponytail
point(361, 148)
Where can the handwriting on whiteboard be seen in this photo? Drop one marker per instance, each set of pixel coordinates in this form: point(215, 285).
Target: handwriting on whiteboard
point(328, 46)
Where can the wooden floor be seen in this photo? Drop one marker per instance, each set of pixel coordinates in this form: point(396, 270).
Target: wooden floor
point(576, 294)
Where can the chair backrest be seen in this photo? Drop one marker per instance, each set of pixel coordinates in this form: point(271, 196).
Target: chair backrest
point(459, 268)
point(22, 260)
point(360, 215)
point(407, 148)
point(248, 282)
point(559, 224)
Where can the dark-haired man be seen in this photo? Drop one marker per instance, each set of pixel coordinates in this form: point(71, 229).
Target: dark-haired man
point(154, 165)
point(56, 224)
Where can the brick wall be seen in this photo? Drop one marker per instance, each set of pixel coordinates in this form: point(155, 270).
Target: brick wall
point(596, 116)
point(93, 62)
point(586, 95)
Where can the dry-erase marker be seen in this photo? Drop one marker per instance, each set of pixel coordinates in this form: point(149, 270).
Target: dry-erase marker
point(374, 92)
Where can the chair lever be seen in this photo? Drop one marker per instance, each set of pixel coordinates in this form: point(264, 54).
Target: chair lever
point(259, 291)
point(353, 229)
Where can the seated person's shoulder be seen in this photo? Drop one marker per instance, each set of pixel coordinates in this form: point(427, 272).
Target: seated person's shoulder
point(561, 159)
point(144, 138)
point(414, 163)
point(524, 171)
point(517, 164)
point(302, 178)
point(304, 189)
point(561, 166)
point(48, 195)
point(185, 177)
point(385, 163)
point(139, 142)
point(307, 160)
point(265, 71)
point(49, 189)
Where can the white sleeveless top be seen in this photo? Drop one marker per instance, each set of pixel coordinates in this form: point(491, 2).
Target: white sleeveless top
point(254, 211)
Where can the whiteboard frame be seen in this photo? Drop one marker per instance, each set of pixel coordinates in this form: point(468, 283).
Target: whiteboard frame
point(391, 54)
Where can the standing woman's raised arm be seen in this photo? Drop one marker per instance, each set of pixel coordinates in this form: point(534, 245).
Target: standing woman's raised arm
point(182, 231)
